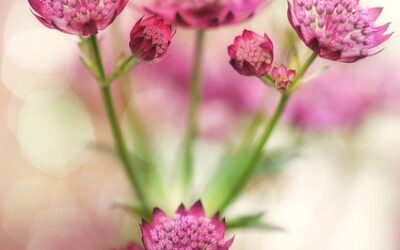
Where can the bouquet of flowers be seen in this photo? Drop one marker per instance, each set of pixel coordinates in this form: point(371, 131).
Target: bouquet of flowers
point(342, 31)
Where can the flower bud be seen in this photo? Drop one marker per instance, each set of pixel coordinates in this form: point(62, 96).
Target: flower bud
point(283, 77)
point(251, 54)
point(150, 38)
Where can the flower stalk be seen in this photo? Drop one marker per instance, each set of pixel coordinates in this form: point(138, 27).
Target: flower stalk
point(251, 158)
point(192, 120)
point(113, 120)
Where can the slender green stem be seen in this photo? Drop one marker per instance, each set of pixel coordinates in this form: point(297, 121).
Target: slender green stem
point(257, 153)
point(192, 122)
point(114, 124)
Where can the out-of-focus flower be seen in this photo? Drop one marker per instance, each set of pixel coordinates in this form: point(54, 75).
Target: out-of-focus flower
point(251, 54)
point(283, 77)
point(77, 17)
point(339, 30)
point(150, 38)
point(323, 106)
point(188, 229)
point(203, 14)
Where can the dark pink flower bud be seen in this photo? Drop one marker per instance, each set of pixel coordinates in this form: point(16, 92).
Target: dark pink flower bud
point(188, 229)
point(251, 54)
point(338, 30)
point(283, 77)
point(77, 17)
point(150, 38)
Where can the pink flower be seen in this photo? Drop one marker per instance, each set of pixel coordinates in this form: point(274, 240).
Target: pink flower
point(78, 17)
point(188, 229)
point(338, 30)
point(203, 14)
point(251, 54)
point(322, 106)
point(150, 38)
point(283, 77)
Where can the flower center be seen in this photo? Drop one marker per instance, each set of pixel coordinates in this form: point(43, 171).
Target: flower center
point(185, 233)
point(341, 24)
point(79, 11)
point(251, 51)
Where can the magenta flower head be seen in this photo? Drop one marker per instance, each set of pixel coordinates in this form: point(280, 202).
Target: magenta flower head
point(203, 14)
point(150, 38)
point(251, 54)
point(283, 77)
point(188, 230)
point(338, 30)
point(77, 17)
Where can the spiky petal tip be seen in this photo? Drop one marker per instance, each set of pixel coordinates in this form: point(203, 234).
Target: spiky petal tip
point(188, 230)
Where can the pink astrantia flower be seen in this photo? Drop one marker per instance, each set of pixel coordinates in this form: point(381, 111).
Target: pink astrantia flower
point(283, 77)
point(339, 30)
point(251, 54)
point(188, 229)
point(150, 38)
point(78, 17)
point(203, 14)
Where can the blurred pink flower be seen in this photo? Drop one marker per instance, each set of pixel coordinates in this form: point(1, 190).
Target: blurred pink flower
point(282, 77)
point(203, 14)
point(337, 30)
point(340, 99)
point(188, 229)
point(251, 54)
point(77, 17)
point(150, 38)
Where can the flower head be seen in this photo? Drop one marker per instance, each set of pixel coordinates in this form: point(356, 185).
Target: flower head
point(203, 14)
point(150, 38)
point(283, 77)
point(78, 17)
point(251, 54)
point(188, 229)
point(339, 30)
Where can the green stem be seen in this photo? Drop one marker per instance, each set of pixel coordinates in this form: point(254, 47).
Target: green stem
point(258, 149)
point(113, 121)
point(192, 122)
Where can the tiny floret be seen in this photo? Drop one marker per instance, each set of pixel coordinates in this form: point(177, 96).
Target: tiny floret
point(283, 77)
point(150, 38)
point(251, 54)
point(338, 30)
point(78, 17)
point(187, 230)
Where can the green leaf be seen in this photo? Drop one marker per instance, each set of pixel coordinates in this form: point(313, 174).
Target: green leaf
point(226, 183)
point(137, 210)
point(124, 67)
point(88, 58)
point(274, 161)
point(252, 221)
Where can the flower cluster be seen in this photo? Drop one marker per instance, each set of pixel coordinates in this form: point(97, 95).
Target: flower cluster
point(253, 55)
point(339, 30)
point(188, 229)
point(78, 17)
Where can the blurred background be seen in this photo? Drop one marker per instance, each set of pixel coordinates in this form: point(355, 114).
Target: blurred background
point(335, 184)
